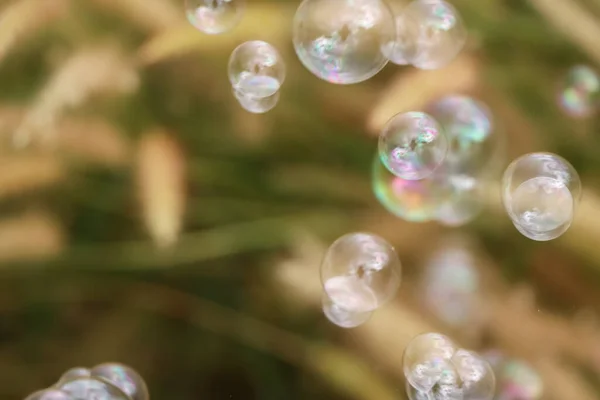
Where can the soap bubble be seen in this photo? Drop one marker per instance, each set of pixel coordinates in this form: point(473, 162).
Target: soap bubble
point(340, 316)
point(464, 201)
point(360, 272)
point(214, 16)
point(74, 373)
point(123, 377)
point(50, 394)
point(341, 41)
point(432, 34)
point(426, 359)
point(414, 201)
point(412, 145)
point(256, 69)
point(256, 105)
point(580, 94)
point(394, 49)
point(540, 192)
point(518, 381)
point(91, 388)
point(476, 374)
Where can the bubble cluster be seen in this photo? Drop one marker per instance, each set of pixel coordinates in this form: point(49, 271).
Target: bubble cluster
point(540, 192)
point(214, 16)
point(360, 272)
point(412, 145)
point(435, 368)
point(256, 71)
point(429, 35)
point(110, 381)
point(580, 93)
point(341, 41)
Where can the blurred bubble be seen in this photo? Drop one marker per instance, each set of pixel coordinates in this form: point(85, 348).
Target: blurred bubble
point(540, 194)
point(412, 145)
point(414, 201)
point(580, 94)
point(516, 379)
point(464, 202)
point(360, 272)
point(214, 16)
point(341, 316)
point(256, 105)
point(431, 34)
point(50, 394)
point(90, 388)
point(341, 41)
point(123, 377)
point(74, 373)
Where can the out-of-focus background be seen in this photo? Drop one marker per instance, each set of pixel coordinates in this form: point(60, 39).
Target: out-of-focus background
point(147, 219)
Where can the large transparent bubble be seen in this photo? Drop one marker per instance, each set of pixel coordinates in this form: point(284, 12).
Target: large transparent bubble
point(540, 192)
point(340, 316)
point(413, 201)
point(74, 373)
point(431, 34)
point(360, 272)
point(580, 93)
point(412, 145)
point(341, 41)
point(123, 377)
point(50, 394)
point(214, 16)
point(91, 388)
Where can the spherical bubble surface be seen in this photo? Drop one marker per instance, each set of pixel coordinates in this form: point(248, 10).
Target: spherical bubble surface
point(256, 105)
point(464, 202)
point(341, 317)
point(412, 145)
point(431, 34)
point(394, 49)
point(580, 93)
point(50, 394)
point(540, 192)
point(426, 359)
point(517, 380)
point(74, 373)
point(256, 69)
point(123, 377)
point(360, 272)
point(414, 201)
point(476, 375)
point(91, 388)
point(214, 16)
point(341, 41)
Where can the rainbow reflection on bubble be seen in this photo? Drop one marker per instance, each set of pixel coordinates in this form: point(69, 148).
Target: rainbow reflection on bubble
point(580, 94)
point(414, 201)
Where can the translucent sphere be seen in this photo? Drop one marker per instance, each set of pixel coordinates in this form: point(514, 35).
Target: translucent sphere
point(580, 93)
point(255, 105)
point(464, 201)
point(123, 377)
point(412, 145)
point(540, 192)
point(214, 16)
point(431, 34)
point(341, 317)
point(476, 375)
point(50, 394)
point(91, 388)
point(74, 373)
point(256, 72)
point(426, 359)
point(518, 381)
point(360, 272)
point(413, 201)
point(341, 41)
point(394, 49)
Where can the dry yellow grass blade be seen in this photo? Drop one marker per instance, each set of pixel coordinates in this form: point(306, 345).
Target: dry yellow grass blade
point(161, 185)
point(19, 174)
point(24, 17)
point(31, 236)
point(414, 89)
point(264, 21)
point(151, 15)
point(85, 74)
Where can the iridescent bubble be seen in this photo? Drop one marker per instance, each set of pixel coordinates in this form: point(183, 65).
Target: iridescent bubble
point(74, 373)
point(476, 374)
point(580, 94)
point(431, 33)
point(517, 380)
point(341, 41)
point(90, 388)
point(123, 377)
point(341, 317)
point(412, 145)
point(50, 394)
point(427, 359)
point(214, 16)
point(360, 272)
point(414, 201)
point(540, 192)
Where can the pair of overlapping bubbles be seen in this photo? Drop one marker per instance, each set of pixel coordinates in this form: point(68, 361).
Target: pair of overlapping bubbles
point(110, 381)
point(434, 165)
point(360, 272)
point(350, 41)
point(437, 369)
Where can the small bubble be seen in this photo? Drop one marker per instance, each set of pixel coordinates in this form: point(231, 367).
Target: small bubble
point(214, 16)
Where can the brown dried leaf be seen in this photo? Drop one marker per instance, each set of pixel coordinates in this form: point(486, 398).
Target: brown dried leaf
point(161, 181)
